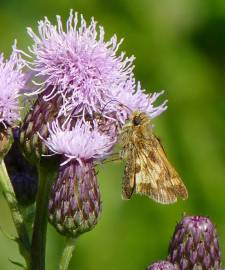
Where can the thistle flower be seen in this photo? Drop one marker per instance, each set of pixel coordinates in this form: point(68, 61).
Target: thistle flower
point(82, 142)
point(78, 63)
point(195, 245)
point(161, 265)
point(87, 71)
point(12, 80)
point(75, 203)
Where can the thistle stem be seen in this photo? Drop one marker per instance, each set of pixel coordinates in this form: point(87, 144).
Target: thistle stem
point(23, 237)
point(47, 169)
point(67, 253)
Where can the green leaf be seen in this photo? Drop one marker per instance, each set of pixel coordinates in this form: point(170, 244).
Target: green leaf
point(10, 237)
point(17, 263)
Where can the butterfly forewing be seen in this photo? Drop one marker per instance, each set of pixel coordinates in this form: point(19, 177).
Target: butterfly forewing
point(128, 183)
point(157, 178)
point(147, 169)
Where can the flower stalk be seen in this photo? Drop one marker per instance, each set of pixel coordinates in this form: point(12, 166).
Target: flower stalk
point(67, 253)
point(23, 238)
point(46, 170)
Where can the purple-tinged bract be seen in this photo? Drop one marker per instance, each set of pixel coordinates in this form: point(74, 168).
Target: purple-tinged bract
point(161, 265)
point(12, 80)
point(195, 245)
point(35, 127)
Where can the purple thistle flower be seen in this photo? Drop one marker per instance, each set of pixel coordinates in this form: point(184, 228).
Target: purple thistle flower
point(78, 64)
point(195, 245)
point(161, 265)
point(12, 80)
point(75, 203)
point(82, 142)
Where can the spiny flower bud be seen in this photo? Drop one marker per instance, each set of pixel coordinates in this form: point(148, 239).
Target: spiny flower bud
point(161, 265)
point(35, 126)
point(195, 245)
point(22, 174)
point(75, 203)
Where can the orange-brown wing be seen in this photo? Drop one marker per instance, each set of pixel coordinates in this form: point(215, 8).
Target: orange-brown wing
point(156, 177)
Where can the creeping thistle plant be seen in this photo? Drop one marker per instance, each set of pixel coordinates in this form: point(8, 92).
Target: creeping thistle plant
point(77, 91)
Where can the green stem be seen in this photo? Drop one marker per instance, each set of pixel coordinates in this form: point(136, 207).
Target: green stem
point(67, 253)
point(47, 169)
point(23, 238)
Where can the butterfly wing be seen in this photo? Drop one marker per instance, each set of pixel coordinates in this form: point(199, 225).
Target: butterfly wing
point(128, 182)
point(155, 176)
point(128, 154)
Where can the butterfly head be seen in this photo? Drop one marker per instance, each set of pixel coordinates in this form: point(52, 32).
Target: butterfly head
point(139, 119)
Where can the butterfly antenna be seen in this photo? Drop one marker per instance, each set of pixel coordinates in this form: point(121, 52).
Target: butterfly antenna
point(115, 100)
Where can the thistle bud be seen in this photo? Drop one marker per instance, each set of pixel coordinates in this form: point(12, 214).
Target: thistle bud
point(194, 245)
point(35, 126)
point(75, 204)
point(22, 174)
point(161, 265)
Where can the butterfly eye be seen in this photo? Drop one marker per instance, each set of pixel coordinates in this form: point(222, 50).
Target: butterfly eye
point(137, 120)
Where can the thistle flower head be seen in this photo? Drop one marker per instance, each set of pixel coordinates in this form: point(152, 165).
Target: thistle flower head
point(195, 245)
point(161, 265)
point(75, 203)
point(77, 63)
point(82, 142)
point(12, 80)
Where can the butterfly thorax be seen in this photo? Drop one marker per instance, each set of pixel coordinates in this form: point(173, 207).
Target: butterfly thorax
point(135, 133)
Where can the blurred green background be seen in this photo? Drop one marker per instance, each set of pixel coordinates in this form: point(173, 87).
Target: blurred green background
point(180, 47)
